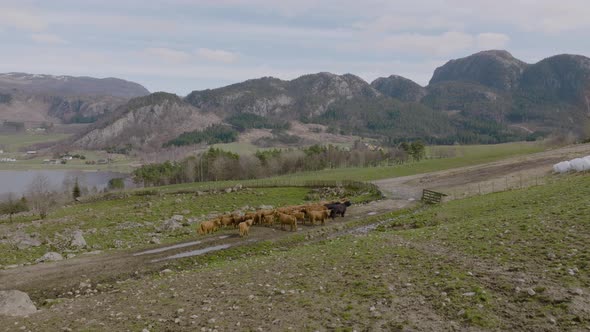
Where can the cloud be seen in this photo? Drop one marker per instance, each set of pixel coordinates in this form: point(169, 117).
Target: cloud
point(408, 22)
point(436, 45)
point(217, 55)
point(487, 41)
point(22, 19)
point(167, 54)
point(48, 38)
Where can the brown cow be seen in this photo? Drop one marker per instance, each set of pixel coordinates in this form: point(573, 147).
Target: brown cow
point(209, 226)
point(269, 220)
point(285, 219)
point(245, 227)
point(318, 215)
point(226, 220)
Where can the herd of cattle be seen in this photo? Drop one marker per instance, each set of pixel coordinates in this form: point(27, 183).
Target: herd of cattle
point(285, 216)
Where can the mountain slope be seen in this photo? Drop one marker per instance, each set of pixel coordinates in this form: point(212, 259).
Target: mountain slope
point(304, 97)
point(400, 88)
point(146, 123)
point(70, 86)
point(494, 69)
point(62, 99)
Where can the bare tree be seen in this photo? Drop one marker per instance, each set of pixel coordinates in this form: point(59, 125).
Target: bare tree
point(40, 195)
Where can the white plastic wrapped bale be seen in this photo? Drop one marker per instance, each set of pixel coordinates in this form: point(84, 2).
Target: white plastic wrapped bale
point(586, 163)
point(578, 164)
point(562, 167)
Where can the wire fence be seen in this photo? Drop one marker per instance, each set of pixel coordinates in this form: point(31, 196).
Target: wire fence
point(512, 182)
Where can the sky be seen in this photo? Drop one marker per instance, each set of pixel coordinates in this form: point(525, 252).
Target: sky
point(184, 45)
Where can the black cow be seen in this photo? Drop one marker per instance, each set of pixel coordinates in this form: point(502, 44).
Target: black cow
point(337, 208)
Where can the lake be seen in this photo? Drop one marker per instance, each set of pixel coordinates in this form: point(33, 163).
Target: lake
point(18, 181)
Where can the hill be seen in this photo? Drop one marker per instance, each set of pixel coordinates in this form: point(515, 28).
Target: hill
point(62, 99)
point(145, 122)
point(400, 88)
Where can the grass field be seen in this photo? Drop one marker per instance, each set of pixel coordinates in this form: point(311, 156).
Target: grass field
point(13, 143)
point(510, 261)
point(127, 222)
point(465, 156)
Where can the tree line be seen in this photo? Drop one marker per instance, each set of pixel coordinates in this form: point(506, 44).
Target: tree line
point(218, 165)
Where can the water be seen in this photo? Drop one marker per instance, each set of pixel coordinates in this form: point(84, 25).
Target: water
point(194, 252)
point(176, 246)
point(17, 182)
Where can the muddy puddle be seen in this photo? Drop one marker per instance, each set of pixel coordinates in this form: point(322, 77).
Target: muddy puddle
point(176, 246)
point(192, 253)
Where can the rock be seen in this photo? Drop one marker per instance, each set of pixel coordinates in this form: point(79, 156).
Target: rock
point(469, 294)
point(228, 190)
point(50, 257)
point(16, 303)
point(155, 240)
point(531, 292)
point(577, 291)
point(78, 240)
point(266, 207)
point(237, 187)
point(24, 241)
point(177, 217)
point(166, 271)
point(170, 225)
point(200, 193)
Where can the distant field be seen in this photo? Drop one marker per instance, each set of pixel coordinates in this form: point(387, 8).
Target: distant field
point(12, 143)
point(465, 156)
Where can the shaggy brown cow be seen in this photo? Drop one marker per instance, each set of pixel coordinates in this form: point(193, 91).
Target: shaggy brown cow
point(226, 220)
point(298, 215)
point(209, 226)
point(318, 215)
point(245, 227)
point(269, 220)
point(285, 219)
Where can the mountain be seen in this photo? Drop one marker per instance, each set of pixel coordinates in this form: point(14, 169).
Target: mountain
point(70, 86)
point(400, 88)
point(495, 69)
point(304, 97)
point(552, 94)
point(487, 97)
point(145, 123)
point(62, 99)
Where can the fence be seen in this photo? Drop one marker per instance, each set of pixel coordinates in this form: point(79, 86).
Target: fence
point(512, 182)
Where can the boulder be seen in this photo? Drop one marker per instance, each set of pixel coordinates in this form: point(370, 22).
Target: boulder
point(170, 225)
point(228, 190)
point(78, 240)
point(50, 257)
point(24, 241)
point(16, 303)
point(177, 217)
